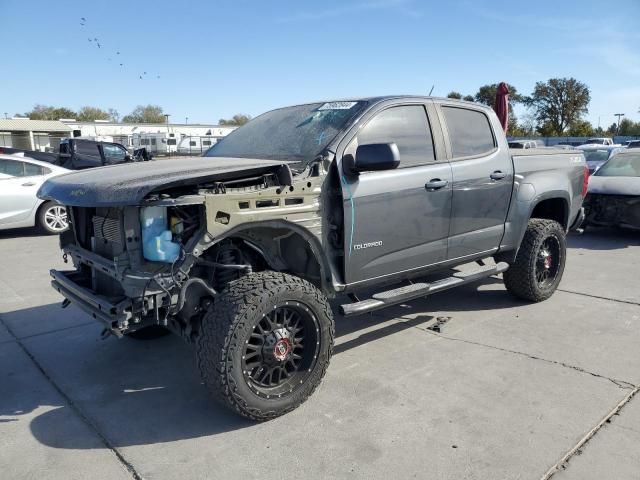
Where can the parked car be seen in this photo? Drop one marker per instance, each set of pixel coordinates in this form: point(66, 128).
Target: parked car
point(633, 144)
point(596, 155)
point(80, 153)
point(599, 141)
point(20, 179)
point(614, 192)
point(523, 144)
point(238, 251)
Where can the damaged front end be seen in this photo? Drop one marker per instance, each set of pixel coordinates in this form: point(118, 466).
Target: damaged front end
point(607, 210)
point(161, 258)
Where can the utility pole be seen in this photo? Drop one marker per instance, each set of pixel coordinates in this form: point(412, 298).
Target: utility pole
point(619, 115)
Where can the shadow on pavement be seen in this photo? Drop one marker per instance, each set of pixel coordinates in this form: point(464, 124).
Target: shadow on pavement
point(604, 239)
point(146, 392)
point(137, 392)
point(21, 232)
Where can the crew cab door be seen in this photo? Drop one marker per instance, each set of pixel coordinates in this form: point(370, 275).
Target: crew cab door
point(393, 221)
point(482, 172)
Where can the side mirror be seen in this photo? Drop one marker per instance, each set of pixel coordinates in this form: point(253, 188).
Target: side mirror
point(372, 157)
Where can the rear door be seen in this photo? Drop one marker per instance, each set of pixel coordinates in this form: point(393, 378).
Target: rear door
point(392, 222)
point(482, 173)
point(86, 154)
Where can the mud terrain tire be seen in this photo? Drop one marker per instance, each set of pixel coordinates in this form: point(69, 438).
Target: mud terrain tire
point(538, 268)
point(261, 308)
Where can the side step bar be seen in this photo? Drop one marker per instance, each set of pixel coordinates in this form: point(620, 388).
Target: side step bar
point(417, 290)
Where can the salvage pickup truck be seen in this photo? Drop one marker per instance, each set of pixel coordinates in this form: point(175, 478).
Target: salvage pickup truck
point(238, 251)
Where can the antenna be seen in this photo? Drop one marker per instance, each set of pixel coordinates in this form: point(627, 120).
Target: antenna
point(430, 91)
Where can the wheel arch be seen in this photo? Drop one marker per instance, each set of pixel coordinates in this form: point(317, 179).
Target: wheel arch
point(285, 246)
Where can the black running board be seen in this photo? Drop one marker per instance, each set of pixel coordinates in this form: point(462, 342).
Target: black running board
point(417, 290)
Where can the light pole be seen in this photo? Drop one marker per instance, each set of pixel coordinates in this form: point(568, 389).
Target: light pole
point(5, 115)
point(166, 116)
point(619, 115)
point(186, 120)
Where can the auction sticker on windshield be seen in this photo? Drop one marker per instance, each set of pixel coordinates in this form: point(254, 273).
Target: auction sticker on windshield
point(337, 106)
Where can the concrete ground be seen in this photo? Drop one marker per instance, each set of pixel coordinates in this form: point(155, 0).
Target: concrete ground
point(505, 390)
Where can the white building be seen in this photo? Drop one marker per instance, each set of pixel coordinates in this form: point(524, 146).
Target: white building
point(42, 135)
point(144, 134)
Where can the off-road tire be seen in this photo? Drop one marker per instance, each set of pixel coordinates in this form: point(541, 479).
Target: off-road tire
point(42, 221)
point(148, 333)
point(229, 322)
point(520, 278)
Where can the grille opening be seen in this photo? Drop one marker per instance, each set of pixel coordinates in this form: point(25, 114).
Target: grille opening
point(243, 205)
point(293, 201)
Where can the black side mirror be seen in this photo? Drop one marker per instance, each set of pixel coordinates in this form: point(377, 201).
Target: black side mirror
point(372, 157)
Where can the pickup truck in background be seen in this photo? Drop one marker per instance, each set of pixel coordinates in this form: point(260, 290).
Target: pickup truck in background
point(79, 153)
point(374, 201)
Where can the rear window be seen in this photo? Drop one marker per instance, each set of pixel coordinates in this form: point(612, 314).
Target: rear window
point(31, 170)
point(171, 141)
point(469, 131)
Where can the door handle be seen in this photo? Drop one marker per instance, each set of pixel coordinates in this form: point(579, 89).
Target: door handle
point(28, 184)
point(435, 184)
point(497, 175)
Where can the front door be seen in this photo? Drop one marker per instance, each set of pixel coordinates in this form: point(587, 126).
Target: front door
point(482, 182)
point(19, 183)
point(397, 220)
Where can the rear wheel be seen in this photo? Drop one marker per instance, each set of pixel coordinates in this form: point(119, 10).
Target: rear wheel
point(538, 268)
point(265, 344)
point(52, 218)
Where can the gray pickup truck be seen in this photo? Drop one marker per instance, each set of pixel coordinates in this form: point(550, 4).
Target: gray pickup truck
point(238, 251)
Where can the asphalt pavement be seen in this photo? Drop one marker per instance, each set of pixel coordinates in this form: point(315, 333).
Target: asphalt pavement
point(467, 384)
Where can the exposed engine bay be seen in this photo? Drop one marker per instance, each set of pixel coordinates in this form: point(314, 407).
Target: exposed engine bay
point(162, 262)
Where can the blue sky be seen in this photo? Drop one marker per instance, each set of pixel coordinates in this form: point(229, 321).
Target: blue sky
point(215, 58)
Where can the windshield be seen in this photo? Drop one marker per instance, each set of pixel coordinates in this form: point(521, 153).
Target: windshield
point(297, 133)
point(596, 155)
point(627, 165)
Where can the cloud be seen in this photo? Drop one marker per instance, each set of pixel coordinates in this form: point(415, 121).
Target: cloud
point(404, 7)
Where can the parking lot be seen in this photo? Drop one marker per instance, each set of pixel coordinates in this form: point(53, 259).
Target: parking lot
point(504, 390)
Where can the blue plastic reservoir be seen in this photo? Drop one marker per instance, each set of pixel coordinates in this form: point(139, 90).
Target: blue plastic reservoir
point(156, 237)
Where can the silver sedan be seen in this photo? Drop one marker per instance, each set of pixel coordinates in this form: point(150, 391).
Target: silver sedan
point(20, 179)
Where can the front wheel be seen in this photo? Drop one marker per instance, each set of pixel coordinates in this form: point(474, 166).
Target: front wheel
point(538, 268)
point(265, 344)
point(52, 218)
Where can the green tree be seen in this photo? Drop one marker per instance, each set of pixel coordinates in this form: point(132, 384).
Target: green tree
point(611, 131)
point(581, 128)
point(629, 127)
point(456, 95)
point(46, 112)
point(114, 116)
point(559, 103)
point(469, 98)
point(89, 114)
point(486, 94)
point(145, 114)
point(238, 119)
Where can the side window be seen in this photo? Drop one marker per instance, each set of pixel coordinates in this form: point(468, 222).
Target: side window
point(469, 131)
point(12, 168)
point(171, 141)
point(87, 148)
point(31, 170)
point(408, 127)
point(192, 143)
point(113, 152)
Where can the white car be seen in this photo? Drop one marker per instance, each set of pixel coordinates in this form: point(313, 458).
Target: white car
point(20, 179)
